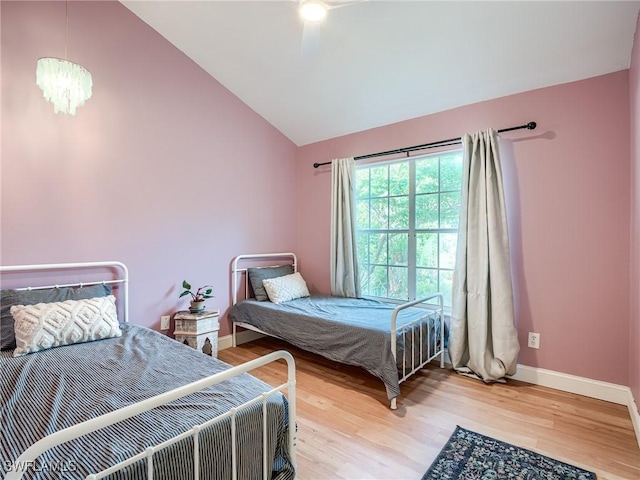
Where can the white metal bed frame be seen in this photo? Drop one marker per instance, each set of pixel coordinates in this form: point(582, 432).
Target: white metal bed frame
point(237, 272)
point(28, 457)
point(408, 368)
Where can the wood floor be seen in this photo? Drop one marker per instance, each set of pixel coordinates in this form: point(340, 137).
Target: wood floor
point(347, 431)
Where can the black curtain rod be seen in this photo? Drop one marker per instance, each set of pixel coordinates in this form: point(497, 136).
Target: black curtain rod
point(441, 143)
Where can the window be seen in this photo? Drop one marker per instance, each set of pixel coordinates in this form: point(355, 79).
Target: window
point(407, 224)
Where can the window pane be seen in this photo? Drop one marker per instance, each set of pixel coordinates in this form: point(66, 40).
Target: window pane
point(427, 250)
point(398, 282)
point(362, 183)
point(451, 172)
point(427, 211)
point(362, 214)
point(378, 248)
point(380, 181)
point(427, 282)
point(448, 243)
point(446, 281)
point(399, 179)
point(399, 213)
point(399, 249)
point(449, 210)
point(364, 279)
point(379, 214)
point(427, 175)
point(378, 282)
point(362, 244)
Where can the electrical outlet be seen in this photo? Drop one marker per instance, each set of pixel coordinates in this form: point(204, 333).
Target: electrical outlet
point(534, 340)
point(165, 321)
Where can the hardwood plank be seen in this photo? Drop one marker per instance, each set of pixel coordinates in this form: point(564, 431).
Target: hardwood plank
point(346, 429)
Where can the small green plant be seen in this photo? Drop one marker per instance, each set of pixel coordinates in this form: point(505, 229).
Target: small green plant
point(202, 293)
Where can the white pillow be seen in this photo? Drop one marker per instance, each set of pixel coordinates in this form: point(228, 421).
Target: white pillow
point(285, 288)
point(47, 325)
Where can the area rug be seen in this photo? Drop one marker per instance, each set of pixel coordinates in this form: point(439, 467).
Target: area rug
point(471, 456)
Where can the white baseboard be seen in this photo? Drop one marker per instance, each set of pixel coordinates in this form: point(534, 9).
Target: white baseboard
point(635, 416)
point(242, 337)
point(564, 382)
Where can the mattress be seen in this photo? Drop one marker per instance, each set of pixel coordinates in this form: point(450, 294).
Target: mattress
point(47, 391)
point(353, 331)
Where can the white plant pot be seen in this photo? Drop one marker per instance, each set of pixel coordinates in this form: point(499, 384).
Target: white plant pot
point(196, 307)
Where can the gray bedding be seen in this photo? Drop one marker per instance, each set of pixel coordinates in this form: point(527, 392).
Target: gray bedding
point(352, 331)
point(46, 391)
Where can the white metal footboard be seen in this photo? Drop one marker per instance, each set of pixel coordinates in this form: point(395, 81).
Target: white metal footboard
point(414, 354)
point(28, 458)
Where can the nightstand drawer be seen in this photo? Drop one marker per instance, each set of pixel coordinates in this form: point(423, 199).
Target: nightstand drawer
point(196, 326)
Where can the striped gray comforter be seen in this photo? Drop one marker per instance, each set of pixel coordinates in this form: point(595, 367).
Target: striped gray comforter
point(46, 391)
point(353, 331)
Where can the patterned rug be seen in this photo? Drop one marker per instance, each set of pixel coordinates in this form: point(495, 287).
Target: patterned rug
point(471, 456)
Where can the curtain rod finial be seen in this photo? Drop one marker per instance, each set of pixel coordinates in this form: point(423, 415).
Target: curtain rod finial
point(316, 165)
point(531, 125)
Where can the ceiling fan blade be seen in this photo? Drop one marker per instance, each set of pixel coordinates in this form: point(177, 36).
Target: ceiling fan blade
point(310, 39)
point(333, 5)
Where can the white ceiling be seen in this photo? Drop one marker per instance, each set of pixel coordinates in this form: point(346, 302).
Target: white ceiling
point(381, 62)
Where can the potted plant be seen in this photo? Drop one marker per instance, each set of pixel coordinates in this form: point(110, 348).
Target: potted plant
point(197, 298)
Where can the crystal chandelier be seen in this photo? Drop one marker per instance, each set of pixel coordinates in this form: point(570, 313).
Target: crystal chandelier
point(65, 84)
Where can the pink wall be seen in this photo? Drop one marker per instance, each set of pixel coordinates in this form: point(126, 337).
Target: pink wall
point(568, 204)
point(634, 344)
point(154, 170)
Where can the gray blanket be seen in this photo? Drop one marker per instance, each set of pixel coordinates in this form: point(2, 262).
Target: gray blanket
point(352, 331)
point(46, 391)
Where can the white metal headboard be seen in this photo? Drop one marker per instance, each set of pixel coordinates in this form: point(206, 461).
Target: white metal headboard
point(237, 272)
point(121, 269)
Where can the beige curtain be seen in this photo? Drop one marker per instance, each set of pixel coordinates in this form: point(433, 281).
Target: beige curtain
point(483, 339)
point(345, 280)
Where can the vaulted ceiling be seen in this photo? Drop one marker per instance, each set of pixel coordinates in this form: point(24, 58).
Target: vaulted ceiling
point(380, 62)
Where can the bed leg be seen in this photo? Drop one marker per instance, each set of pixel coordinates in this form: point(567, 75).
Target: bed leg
point(394, 406)
point(233, 336)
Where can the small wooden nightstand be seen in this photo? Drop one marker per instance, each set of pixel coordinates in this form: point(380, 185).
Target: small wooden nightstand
point(194, 329)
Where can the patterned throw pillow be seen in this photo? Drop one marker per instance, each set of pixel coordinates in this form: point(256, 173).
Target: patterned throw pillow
point(47, 325)
point(288, 287)
point(9, 298)
point(258, 274)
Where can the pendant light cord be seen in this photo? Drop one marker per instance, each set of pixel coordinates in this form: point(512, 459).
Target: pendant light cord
point(66, 26)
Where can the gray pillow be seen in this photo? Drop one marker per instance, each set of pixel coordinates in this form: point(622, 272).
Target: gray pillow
point(31, 297)
point(257, 275)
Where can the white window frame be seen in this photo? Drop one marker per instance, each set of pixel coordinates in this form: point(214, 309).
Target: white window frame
point(411, 231)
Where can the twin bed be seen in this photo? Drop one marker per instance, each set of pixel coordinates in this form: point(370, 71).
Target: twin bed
point(133, 404)
point(390, 341)
point(86, 394)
